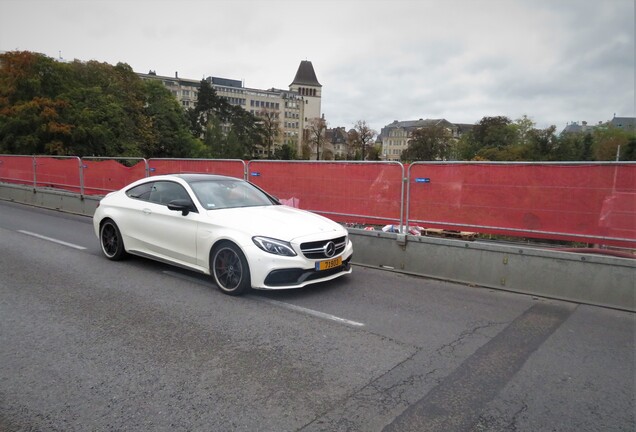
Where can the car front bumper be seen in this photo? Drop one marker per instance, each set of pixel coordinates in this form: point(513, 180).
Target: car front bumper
point(270, 272)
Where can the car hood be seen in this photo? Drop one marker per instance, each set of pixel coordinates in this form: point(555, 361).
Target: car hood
point(277, 221)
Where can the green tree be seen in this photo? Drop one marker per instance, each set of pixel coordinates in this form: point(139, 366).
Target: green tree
point(487, 138)
point(214, 139)
point(374, 152)
point(629, 151)
point(494, 132)
point(209, 106)
point(247, 129)
point(428, 144)
point(170, 135)
point(285, 152)
point(607, 140)
point(543, 144)
point(523, 128)
point(573, 147)
point(228, 131)
point(305, 151)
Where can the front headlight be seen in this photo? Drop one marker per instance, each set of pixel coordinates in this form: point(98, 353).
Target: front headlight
point(273, 246)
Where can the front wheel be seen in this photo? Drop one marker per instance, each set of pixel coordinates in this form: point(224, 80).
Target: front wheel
point(111, 241)
point(230, 270)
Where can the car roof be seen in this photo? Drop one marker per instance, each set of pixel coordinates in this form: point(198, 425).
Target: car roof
point(190, 178)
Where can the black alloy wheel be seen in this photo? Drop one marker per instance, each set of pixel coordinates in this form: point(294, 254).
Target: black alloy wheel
point(230, 270)
point(111, 241)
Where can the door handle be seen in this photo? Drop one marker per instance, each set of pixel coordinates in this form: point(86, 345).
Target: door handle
point(147, 211)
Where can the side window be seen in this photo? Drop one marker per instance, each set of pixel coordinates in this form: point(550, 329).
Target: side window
point(141, 192)
point(163, 192)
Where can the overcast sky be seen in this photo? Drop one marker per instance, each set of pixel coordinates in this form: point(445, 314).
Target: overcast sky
point(556, 61)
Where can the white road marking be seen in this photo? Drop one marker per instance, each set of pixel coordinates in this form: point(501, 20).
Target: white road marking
point(40, 236)
point(277, 303)
point(310, 312)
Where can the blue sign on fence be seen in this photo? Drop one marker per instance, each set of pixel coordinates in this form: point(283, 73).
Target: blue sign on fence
point(255, 174)
point(422, 180)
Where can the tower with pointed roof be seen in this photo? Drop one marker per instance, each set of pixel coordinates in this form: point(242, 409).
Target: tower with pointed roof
point(307, 86)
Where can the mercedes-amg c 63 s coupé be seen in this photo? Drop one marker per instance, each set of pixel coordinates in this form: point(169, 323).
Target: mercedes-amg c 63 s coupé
point(224, 227)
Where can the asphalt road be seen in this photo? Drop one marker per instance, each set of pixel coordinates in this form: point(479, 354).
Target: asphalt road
point(91, 345)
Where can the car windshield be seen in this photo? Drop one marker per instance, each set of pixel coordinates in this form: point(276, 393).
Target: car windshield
point(222, 194)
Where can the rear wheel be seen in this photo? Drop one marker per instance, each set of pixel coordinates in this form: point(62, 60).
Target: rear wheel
point(111, 241)
point(229, 269)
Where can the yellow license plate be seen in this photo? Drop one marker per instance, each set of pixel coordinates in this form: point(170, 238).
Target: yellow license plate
point(329, 264)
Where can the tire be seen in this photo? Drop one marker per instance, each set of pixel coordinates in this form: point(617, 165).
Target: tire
point(229, 269)
point(111, 241)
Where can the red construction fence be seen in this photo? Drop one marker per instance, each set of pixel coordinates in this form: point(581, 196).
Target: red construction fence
point(560, 201)
point(585, 202)
point(232, 167)
point(362, 192)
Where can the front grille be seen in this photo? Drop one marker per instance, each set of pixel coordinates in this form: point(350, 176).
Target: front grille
point(316, 250)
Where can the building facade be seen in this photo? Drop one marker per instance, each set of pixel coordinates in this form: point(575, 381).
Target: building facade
point(336, 142)
point(293, 109)
point(306, 85)
point(627, 124)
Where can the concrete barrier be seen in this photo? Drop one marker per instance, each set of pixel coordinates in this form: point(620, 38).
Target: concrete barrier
point(54, 199)
point(578, 277)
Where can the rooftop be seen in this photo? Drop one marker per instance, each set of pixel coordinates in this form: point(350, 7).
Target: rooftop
point(306, 75)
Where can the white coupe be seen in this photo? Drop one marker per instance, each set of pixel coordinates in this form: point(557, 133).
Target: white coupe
point(224, 227)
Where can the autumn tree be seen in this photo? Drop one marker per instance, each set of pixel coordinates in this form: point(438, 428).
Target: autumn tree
point(31, 109)
point(360, 139)
point(271, 130)
point(87, 109)
point(316, 135)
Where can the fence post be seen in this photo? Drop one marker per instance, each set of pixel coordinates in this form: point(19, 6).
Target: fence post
point(35, 179)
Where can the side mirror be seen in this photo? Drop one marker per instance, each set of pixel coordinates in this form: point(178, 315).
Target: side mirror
point(183, 205)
